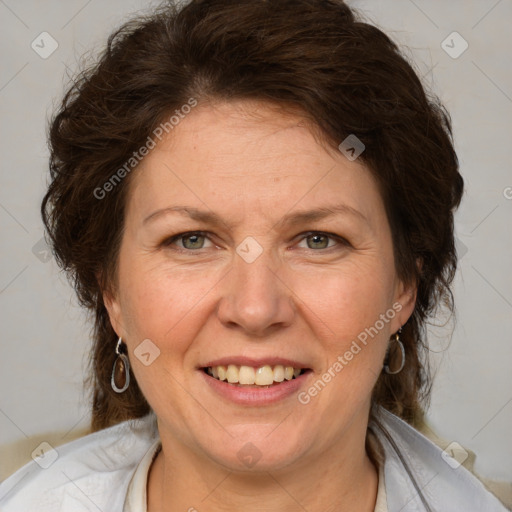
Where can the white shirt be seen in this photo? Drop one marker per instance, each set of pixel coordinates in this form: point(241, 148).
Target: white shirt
point(108, 471)
point(136, 497)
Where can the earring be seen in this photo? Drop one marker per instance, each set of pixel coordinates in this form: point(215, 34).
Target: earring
point(402, 350)
point(121, 366)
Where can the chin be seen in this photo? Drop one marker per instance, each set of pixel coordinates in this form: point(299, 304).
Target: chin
point(258, 451)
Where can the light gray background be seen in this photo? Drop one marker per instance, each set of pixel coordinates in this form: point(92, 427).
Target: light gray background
point(45, 336)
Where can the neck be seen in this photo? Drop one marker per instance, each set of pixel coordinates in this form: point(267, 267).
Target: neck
point(343, 479)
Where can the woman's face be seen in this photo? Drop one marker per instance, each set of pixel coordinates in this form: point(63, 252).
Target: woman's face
point(256, 283)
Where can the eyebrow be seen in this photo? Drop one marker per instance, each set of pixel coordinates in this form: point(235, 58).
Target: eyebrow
point(289, 220)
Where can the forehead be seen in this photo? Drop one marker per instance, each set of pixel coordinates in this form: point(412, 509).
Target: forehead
point(248, 156)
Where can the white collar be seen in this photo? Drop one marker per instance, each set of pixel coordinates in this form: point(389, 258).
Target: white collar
point(413, 463)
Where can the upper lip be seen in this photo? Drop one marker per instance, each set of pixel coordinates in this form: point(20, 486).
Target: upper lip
point(255, 363)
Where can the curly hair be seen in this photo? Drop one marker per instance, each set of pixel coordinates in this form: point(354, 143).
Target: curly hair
point(316, 57)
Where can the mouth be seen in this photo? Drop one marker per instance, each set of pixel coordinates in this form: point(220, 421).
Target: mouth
point(264, 376)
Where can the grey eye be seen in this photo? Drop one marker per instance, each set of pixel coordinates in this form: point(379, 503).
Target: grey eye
point(317, 241)
point(197, 241)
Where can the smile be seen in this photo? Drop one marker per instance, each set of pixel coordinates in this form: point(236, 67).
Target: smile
point(264, 375)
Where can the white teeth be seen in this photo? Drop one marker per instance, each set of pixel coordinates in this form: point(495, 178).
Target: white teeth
point(232, 374)
point(247, 375)
point(264, 376)
point(221, 372)
point(279, 373)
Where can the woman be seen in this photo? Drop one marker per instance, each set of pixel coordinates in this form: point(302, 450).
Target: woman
point(256, 201)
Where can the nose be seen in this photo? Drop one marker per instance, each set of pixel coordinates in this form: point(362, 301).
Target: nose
point(256, 299)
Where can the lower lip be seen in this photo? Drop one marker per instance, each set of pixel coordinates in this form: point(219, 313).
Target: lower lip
point(256, 396)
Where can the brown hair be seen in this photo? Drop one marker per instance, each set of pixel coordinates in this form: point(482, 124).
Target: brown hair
point(345, 76)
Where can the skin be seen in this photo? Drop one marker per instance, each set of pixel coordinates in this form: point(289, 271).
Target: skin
point(303, 298)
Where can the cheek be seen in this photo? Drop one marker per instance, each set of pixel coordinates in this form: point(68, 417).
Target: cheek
point(349, 308)
point(348, 299)
point(159, 303)
point(350, 302)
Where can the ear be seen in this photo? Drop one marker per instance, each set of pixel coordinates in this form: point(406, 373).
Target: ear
point(405, 295)
point(111, 301)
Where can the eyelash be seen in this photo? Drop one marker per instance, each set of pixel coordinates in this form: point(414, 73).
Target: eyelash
point(169, 241)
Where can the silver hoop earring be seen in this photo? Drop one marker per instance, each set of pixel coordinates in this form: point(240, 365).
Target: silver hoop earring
point(121, 366)
point(402, 350)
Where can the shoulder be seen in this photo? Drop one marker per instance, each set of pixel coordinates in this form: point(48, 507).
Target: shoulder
point(90, 473)
point(412, 463)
